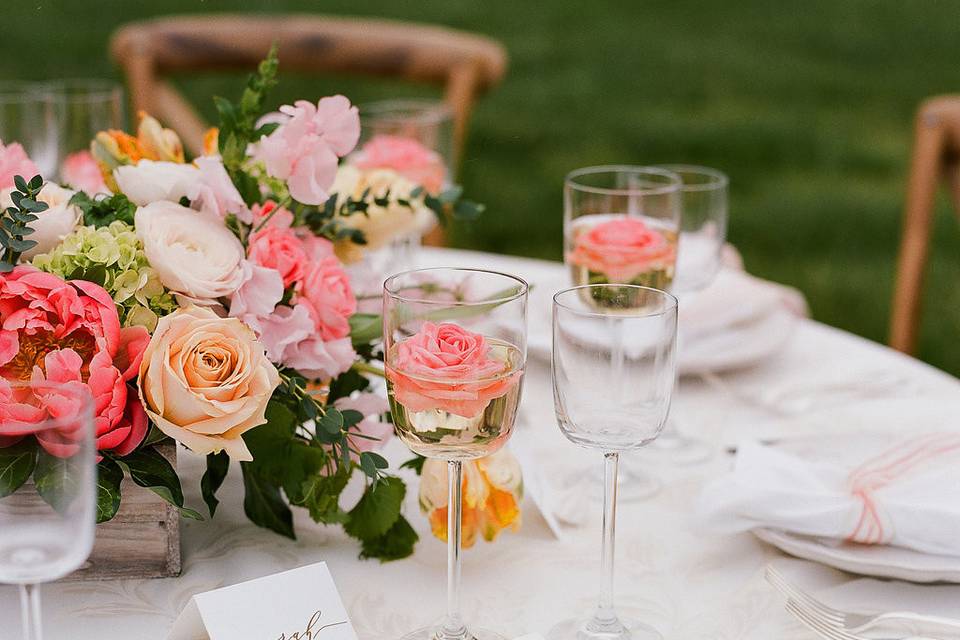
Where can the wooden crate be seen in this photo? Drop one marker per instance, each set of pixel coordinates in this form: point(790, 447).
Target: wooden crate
point(142, 540)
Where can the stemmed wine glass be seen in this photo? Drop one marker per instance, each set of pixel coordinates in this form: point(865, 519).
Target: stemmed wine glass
point(47, 488)
point(703, 233)
point(613, 376)
point(83, 107)
point(621, 226)
point(28, 117)
point(454, 355)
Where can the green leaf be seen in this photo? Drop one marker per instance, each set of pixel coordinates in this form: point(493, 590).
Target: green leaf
point(150, 470)
point(16, 465)
point(365, 328)
point(377, 510)
point(321, 497)
point(371, 462)
point(263, 503)
point(109, 477)
point(415, 463)
point(397, 543)
point(217, 466)
point(35, 183)
point(20, 183)
point(56, 480)
point(331, 421)
point(346, 383)
point(270, 443)
point(351, 418)
point(21, 245)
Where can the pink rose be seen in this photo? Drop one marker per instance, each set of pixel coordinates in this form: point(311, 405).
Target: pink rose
point(327, 295)
point(447, 367)
point(14, 162)
point(275, 217)
point(622, 249)
point(80, 171)
point(372, 406)
point(69, 332)
point(279, 249)
point(304, 150)
point(406, 156)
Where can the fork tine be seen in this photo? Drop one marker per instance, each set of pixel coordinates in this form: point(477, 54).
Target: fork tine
point(819, 625)
point(793, 592)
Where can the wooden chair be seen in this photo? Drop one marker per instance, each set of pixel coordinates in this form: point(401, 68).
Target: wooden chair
point(936, 157)
point(465, 64)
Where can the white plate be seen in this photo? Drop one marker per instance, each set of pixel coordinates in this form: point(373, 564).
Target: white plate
point(866, 560)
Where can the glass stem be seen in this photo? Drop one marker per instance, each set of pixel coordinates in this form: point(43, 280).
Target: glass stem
point(30, 611)
point(605, 617)
point(453, 627)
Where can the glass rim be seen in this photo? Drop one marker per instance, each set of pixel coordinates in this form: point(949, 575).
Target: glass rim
point(674, 186)
point(421, 110)
point(669, 298)
point(85, 88)
point(716, 179)
point(85, 397)
point(392, 292)
point(12, 91)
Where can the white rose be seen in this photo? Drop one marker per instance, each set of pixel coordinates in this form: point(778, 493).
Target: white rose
point(193, 253)
point(52, 225)
point(153, 181)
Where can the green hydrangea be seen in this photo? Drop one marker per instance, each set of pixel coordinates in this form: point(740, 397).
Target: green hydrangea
point(112, 256)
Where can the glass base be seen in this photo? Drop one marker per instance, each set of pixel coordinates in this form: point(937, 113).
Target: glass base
point(682, 450)
point(583, 629)
point(433, 633)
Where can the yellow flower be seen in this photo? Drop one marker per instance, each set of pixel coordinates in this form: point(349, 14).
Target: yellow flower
point(211, 141)
point(492, 491)
point(113, 148)
point(158, 143)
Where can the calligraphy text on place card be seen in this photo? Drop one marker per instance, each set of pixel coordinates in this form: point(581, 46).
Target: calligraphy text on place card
point(312, 630)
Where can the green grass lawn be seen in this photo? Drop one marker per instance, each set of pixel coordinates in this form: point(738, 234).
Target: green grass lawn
point(808, 108)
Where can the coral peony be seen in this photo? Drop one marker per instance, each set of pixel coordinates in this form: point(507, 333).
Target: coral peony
point(69, 332)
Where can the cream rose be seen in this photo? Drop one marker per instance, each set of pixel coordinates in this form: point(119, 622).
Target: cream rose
point(193, 253)
point(205, 381)
point(153, 181)
point(52, 225)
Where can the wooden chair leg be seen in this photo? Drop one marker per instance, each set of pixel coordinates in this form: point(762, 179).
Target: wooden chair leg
point(925, 172)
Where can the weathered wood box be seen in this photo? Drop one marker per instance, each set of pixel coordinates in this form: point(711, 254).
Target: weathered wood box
point(142, 540)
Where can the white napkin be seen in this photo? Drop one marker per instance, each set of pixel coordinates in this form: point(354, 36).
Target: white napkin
point(904, 493)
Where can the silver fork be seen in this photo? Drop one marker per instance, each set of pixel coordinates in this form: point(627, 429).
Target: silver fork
point(832, 633)
point(847, 623)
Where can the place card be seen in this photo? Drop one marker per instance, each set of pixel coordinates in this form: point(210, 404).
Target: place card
point(301, 604)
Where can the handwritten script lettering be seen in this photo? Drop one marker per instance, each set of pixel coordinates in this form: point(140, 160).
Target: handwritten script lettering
point(312, 630)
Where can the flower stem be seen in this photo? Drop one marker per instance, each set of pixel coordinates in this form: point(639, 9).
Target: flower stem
point(365, 367)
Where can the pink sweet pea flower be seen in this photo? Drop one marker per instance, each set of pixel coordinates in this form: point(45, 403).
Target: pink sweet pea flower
point(305, 149)
point(406, 156)
point(68, 332)
point(14, 162)
point(215, 192)
point(291, 338)
point(80, 171)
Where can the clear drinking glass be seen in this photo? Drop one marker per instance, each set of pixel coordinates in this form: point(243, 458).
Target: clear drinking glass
point(703, 233)
point(28, 117)
point(427, 122)
point(47, 489)
point(455, 344)
point(613, 376)
point(82, 108)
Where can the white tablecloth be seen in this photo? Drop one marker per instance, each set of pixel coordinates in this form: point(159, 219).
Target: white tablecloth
point(687, 584)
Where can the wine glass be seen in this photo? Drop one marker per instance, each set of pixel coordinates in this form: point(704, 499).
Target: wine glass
point(703, 233)
point(82, 108)
point(427, 122)
point(621, 226)
point(455, 348)
point(27, 117)
point(48, 489)
point(613, 375)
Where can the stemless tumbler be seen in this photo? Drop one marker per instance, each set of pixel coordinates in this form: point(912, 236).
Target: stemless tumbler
point(48, 491)
point(613, 376)
point(455, 345)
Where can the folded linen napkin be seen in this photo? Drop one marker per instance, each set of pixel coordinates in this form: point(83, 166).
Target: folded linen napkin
point(907, 495)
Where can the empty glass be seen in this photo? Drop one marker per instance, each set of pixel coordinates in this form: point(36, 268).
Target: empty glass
point(455, 346)
point(427, 122)
point(48, 487)
point(82, 108)
point(613, 376)
point(28, 117)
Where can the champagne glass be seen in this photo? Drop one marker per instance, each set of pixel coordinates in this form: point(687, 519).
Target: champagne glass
point(27, 117)
point(82, 108)
point(621, 226)
point(613, 375)
point(48, 488)
point(427, 122)
point(455, 352)
point(703, 233)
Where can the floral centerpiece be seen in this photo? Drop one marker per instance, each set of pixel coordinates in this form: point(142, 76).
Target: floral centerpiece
point(206, 302)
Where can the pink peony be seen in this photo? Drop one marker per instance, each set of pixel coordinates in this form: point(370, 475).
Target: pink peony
point(304, 150)
point(622, 249)
point(406, 156)
point(69, 332)
point(372, 406)
point(14, 162)
point(280, 249)
point(327, 295)
point(80, 171)
point(444, 366)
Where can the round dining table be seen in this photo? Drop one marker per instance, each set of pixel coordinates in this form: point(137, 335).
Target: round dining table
point(671, 572)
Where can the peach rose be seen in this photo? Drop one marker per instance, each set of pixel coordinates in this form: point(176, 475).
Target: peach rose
point(205, 381)
point(444, 366)
point(622, 249)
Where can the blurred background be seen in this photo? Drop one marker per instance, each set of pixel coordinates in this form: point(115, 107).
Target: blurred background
point(808, 108)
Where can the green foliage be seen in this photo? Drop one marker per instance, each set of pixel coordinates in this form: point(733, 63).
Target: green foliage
point(16, 464)
point(100, 212)
point(15, 220)
point(377, 510)
point(217, 466)
point(449, 205)
point(149, 469)
point(397, 543)
point(55, 480)
point(365, 328)
point(263, 503)
point(415, 463)
point(109, 477)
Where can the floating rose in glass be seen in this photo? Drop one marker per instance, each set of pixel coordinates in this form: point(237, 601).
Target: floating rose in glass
point(455, 352)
